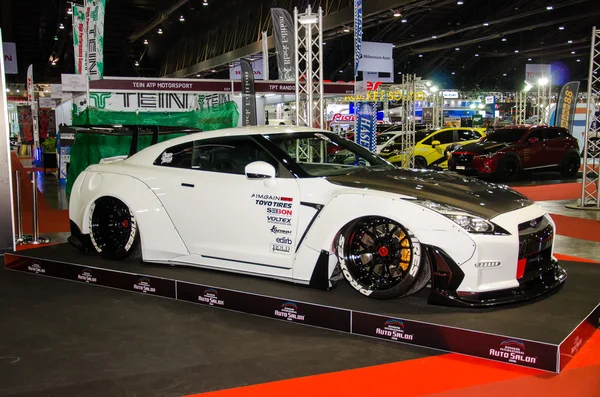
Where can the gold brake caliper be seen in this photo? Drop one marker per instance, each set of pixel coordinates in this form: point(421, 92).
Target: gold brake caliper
point(405, 255)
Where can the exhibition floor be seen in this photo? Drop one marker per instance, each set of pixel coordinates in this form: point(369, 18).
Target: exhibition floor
point(62, 338)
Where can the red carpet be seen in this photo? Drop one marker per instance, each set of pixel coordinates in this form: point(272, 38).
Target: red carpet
point(50, 221)
point(561, 191)
point(445, 375)
point(585, 229)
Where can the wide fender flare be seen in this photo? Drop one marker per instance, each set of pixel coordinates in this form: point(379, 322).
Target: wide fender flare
point(160, 239)
point(428, 227)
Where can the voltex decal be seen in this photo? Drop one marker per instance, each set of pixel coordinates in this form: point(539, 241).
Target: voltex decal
point(210, 296)
point(36, 267)
point(143, 285)
point(87, 276)
point(514, 351)
point(394, 330)
point(279, 220)
point(289, 311)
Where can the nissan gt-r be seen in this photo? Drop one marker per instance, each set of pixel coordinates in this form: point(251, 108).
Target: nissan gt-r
point(306, 206)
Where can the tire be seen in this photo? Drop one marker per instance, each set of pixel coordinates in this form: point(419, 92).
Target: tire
point(508, 169)
point(420, 162)
point(381, 259)
point(569, 166)
point(113, 229)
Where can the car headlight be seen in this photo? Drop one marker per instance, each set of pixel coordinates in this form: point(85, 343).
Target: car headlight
point(469, 222)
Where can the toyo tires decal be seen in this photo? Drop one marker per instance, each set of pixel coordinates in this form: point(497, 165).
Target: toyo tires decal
point(90, 221)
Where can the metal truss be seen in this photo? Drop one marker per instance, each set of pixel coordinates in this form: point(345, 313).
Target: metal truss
point(438, 110)
point(309, 68)
point(407, 141)
point(590, 194)
point(521, 108)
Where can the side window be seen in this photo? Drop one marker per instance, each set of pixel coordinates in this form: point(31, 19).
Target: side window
point(552, 133)
point(229, 156)
point(179, 156)
point(467, 135)
point(539, 134)
point(444, 137)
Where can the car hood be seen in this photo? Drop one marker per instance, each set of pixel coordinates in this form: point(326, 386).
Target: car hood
point(481, 148)
point(477, 197)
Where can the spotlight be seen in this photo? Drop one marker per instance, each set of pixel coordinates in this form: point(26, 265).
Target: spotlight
point(459, 3)
point(516, 51)
point(504, 39)
point(346, 30)
point(549, 8)
point(205, 3)
point(137, 63)
point(55, 38)
point(61, 26)
point(570, 41)
point(160, 31)
point(181, 19)
point(397, 14)
point(486, 24)
point(476, 55)
point(53, 63)
point(70, 11)
point(579, 60)
point(404, 21)
point(145, 41)
point(561, 28)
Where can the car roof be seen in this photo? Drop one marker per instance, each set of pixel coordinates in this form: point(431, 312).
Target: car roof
point(149, 154)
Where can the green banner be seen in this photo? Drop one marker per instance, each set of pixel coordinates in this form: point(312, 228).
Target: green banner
point(94, 18)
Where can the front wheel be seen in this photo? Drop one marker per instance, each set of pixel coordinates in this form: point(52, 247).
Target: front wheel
point(420, 162)
point(113, 229)
point(569, 167)
point(508, 169)
point(381, 259)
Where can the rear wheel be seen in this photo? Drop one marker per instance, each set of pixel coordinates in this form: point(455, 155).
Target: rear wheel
point(570, 165)
point(381, 259)
point(420, 162)
point(508, 169)
point(113, 229)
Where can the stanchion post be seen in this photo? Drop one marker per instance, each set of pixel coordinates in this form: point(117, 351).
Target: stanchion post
point(36, 232)
point(19, 239)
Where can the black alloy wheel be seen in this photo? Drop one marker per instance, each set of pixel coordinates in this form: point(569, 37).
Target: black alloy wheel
point(571, 166)
point(113, 228)
point(380, 258)
point(420, 162)
point(508, 170)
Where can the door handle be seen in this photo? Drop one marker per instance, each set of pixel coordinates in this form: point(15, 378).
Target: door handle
point(187, 185)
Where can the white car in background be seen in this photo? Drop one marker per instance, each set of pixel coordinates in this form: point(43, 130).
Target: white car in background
point(306, 206)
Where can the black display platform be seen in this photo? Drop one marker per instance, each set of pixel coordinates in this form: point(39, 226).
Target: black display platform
point(543, 334)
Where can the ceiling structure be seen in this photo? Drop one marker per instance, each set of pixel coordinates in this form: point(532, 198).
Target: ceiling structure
point(479, 44)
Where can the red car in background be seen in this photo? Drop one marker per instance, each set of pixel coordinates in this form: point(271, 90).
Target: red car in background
point(506, 152)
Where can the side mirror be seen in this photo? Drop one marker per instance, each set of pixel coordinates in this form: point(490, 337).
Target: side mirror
point(435, 143)
point(259, 170)
point(533, 140)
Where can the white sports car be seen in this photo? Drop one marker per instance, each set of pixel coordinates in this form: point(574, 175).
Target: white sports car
point(303, 205)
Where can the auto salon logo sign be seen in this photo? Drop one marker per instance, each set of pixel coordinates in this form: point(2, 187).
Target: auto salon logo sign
point(86, 276)
point(210, 296)
point(143, 285)
point(289, 311)
point(394, 329)
point(36, 268)
point(514, 351)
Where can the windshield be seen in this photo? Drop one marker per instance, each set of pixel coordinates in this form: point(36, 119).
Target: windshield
point(383, 138)
point(324, 153)
point(505, 135)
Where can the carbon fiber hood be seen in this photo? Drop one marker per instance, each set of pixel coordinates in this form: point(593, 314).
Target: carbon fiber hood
point(480, 198)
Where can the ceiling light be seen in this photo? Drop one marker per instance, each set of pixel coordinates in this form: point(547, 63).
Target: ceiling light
point(457, 49)
point(137, 63)
point(61, 26)
point(160, 31)
point(434, 37)
point(181, 19)
point(397, 14)
point(579, 60)
point(341, 71)
point(476, 55)
point(420, 55)
point(18, 90)
point(460, 3)
point(399, 72)
point(46, 91)
point(70, 11)
point(486, 24)
point(504, 39)
point(570, 41)
point(145, 41)
point(543, 81)
point(324, 43)
point(393, 45)
point(205, 3)
point(346, 30)
point(7, 90)
point(197, 74)
point(504, 74)
point(404, 21)
point(453, 73)
point(53, 63)
point(55, 38)
point(214, 71)
point(572, 52)
point(549, 8)
point(516, 51)
point(561, 28)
